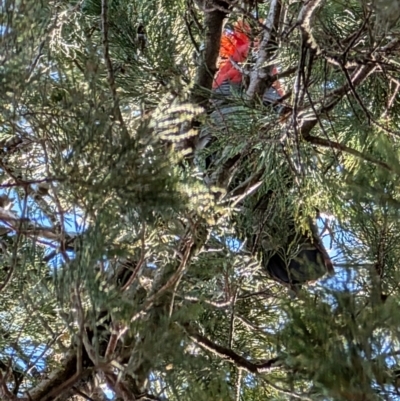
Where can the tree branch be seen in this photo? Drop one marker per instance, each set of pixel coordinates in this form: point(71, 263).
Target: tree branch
point(338, 146)
point(258, 75)
point(26, 227)
point(359, 76)
point(61, 380)
point(205, 74)
point(304, 22)
point(108, 62)
point(231, 356)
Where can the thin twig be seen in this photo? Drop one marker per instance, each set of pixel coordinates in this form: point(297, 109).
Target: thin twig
point(232, 319)
point(85, 396)
point(335, 96)
point(107, 59)
point(113, 341)
point(238, 386)
point(139, 263)
point(290, 393)
point(170, 282)
point(11, 270)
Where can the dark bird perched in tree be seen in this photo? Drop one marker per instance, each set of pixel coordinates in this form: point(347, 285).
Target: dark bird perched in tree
point(311, 262)
point(289, 256)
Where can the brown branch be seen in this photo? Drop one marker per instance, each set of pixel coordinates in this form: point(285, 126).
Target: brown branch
point(338, 146)
point(82, 394)
point(83, 338)
point(238, 384)
point(231, 356)
point(119, 387)
point(113, 341)
point(283, 74)
point(35, 62)
point(205, 74)
point(304, 23)
point(4, 391)
point(21, 184)
point(139, 263)
point(59, 381)
point(189, 31)
point(370, 118)
point(67, 384)
point(335, 96)
point(213, 22)
point(359, 76)
point(259, 74)
point(232, 318)
point(106, 50)
point(289, 393)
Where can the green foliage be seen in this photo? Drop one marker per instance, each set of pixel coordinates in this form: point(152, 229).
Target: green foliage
point(122, 256)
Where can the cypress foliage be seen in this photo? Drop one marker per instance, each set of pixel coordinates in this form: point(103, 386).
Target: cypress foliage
point(137, 263)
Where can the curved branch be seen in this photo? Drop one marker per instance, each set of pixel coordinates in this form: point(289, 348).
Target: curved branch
point(230, 356)
point(60, 381)
point(258, 75)
point(359, 76)
point(304, 22)
point(338, 146)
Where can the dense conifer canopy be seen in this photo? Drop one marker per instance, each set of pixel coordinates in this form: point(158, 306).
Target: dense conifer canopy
point(145, 221)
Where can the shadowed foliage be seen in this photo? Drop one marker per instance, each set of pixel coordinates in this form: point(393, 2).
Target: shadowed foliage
point(170, 233)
